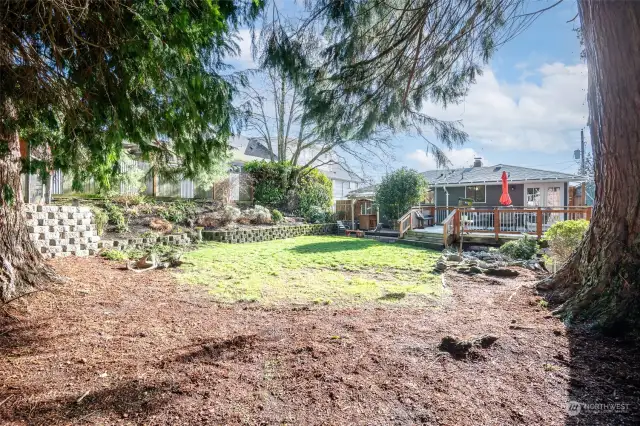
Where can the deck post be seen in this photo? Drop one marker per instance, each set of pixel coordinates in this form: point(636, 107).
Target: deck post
point(456, 223)
point(539, 223)
point(496, 222)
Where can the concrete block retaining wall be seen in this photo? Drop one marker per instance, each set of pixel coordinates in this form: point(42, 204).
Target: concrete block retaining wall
point(145, 242)
point(268, 233)
point(60, 231)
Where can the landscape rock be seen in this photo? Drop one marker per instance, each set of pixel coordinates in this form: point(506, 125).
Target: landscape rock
point(496, 272)
point(454, 258)
point(476, 270)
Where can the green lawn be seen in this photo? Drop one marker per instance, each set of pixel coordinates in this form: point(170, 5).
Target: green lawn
point(314, 269)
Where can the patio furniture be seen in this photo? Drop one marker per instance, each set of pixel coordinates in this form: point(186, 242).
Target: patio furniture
point(359, 233)
point(420, 220)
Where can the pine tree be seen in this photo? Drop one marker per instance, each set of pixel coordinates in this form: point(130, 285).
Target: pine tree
point(83, 77)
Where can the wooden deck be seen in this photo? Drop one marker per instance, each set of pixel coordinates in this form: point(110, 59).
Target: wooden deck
point(482, 223)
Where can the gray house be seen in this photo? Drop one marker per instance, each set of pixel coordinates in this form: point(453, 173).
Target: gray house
point(527, 187)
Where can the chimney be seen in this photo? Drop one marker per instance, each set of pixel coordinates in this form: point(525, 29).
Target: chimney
point(477, 162)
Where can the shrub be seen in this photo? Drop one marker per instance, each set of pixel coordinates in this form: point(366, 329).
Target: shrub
point(258, 215)
point(316, 214)
point(179, 211)
point(277, 216)
point(113, 254)
point(101, 218)
point(521, 249)
point(564, 237)
point(230, 214)
point(283, 186)
point(129, 200)
point(270, 181)
point(399, 191)
point(116, 217)
point(314, 190)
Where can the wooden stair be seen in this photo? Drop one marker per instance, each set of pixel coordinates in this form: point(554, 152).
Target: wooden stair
point(423, 239)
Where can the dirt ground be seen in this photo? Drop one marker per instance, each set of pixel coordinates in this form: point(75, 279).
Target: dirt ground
point(113, 347)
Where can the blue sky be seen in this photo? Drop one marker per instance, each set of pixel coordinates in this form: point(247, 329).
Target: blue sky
point(528, 107)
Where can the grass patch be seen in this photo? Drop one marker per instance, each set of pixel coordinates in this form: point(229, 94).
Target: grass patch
point(317, 270)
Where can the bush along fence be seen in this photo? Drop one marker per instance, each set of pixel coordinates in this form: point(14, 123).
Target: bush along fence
point(61, 231)
point(268, 233)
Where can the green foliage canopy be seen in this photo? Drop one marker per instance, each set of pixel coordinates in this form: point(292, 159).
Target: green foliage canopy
point(85, 77)
point(291, 188)
point(398, 191)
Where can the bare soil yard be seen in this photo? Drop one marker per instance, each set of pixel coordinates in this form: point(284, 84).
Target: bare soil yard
point(113, 347)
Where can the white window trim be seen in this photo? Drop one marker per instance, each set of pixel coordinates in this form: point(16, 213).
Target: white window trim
point(485, 193)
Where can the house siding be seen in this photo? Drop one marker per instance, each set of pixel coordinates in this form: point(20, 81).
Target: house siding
point(516, 192)
point(455, 192)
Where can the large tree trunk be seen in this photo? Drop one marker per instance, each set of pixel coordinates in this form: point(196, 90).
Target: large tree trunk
point(21, 265)
point(601, 281)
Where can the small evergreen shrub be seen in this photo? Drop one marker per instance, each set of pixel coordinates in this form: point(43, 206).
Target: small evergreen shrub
point(521, 249)
point(116, 217)
point(101, 218)
point(114, 254)
point(316, 214)
point(276, 216)
point(179, 211)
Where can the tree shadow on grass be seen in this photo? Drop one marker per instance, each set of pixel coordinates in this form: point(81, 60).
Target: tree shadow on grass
point(341, 245)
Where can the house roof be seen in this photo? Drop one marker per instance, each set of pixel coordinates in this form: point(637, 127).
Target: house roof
point(493, 174)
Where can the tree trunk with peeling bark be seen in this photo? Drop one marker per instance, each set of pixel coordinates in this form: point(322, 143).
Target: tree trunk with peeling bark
point(601, 281)
point(22, 267)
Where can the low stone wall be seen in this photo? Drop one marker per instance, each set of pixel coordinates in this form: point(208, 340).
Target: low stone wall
point(59, 231)
point(145, 242)
point(268, 233)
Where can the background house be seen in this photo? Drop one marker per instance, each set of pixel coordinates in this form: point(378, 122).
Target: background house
point(527, 187)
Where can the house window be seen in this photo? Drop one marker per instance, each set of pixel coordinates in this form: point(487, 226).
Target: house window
point(366, 208)
point(533, 197)
point(477, 193)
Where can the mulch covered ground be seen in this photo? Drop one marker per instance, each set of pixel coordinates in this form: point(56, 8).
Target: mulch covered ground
point(113, 347)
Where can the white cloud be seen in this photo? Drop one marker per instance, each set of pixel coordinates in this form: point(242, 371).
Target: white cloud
point(245, 59)
point(529, 116)
point(423, 161)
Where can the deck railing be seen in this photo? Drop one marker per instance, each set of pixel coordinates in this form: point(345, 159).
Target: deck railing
point(450, 226)
point(518, 220)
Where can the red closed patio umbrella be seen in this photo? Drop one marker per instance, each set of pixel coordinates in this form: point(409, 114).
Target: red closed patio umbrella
point(505, 199)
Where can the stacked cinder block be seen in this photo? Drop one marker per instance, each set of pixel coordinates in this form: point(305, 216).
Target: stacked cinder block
point(240, 236)
point(145, 242)
point(59, 231)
